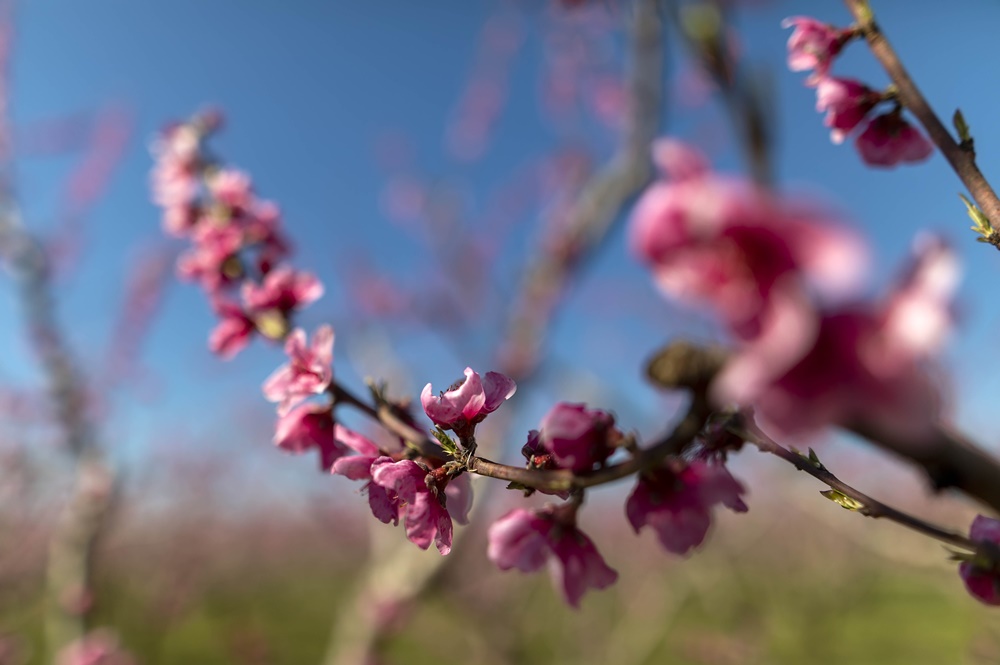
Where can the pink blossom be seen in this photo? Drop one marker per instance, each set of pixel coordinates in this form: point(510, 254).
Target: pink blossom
point(866, 364)
point(310, 426)
point(889, 140)
point(309, 370)
point(283, 289)
point(981, 574)
point(527, 539)
point(578, 438)
point(677, 502)
point(846, 103)
point(468, 401)
point(233, 332)
point(422, 501)
point(709, 239)
point(99, 647)
point(813, 45)
point(357, 466)
point(384, 503)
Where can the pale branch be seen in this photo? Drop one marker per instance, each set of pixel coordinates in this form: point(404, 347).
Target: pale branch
point(744, 427)
point(69, 573)
point(961, 157)
point(601, 200)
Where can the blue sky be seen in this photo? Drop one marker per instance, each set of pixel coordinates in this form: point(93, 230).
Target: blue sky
point(311, 88)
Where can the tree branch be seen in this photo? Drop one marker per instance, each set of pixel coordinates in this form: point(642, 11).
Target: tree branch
point(961, 157)
point(746, 429)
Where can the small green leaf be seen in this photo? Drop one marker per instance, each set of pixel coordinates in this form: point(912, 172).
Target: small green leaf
point(843, 500)
point(446, 441)
point(982, 223)
point(814, 459)
point(961, 126)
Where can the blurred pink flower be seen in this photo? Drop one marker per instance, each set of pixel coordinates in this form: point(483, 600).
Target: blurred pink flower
point(676, 502)
point(283, 289)
point(213, 261)
point(813, 45)
point(679, 161)
point(890, 140)
point(982, 578)
point(527, 539)
point(422, 501)
point(846, 103)
point(174, 179)
point(231, 187)
point(233, 332)
point(309, 370)
point(468, 401)
point(310, 426)
point(866, 364)
point(720, 241)
point(577, 438)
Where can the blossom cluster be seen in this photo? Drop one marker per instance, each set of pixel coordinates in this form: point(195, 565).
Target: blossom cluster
point(673, 498)
point(887, 139)
point(237, 243)
point(779, 275)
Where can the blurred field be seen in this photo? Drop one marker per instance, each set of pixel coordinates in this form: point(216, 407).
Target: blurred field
point(790, 583)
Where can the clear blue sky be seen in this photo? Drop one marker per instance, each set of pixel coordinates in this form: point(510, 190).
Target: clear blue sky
point(310, 87)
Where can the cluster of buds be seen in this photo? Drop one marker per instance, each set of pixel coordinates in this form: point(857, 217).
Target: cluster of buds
point(237, 240)
point(887, 139)
point(427, 491)
point(675, 499)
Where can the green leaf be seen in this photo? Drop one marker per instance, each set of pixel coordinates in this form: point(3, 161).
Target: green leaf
point(961, 126)
point(814, 459)
point(843, 500)
point(446, 441)
point(982, 223)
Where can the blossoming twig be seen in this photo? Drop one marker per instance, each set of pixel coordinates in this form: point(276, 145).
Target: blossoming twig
point(960, 156)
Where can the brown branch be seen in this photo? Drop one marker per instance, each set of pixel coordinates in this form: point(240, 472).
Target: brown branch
point(561, 480)
point(961, 157)
point(558, 480)
point(746, 429)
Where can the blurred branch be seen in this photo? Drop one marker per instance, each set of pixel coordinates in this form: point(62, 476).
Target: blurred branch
point(704, 27)
point(600, 202)
point(69, 570)
point(961, 157)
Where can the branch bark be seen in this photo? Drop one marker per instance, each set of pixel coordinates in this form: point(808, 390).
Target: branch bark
point(961, 157)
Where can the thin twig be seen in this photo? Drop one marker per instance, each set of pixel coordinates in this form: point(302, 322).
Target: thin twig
point(746, 429)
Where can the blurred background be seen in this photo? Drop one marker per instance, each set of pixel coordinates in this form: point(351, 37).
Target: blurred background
point(428, 158)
